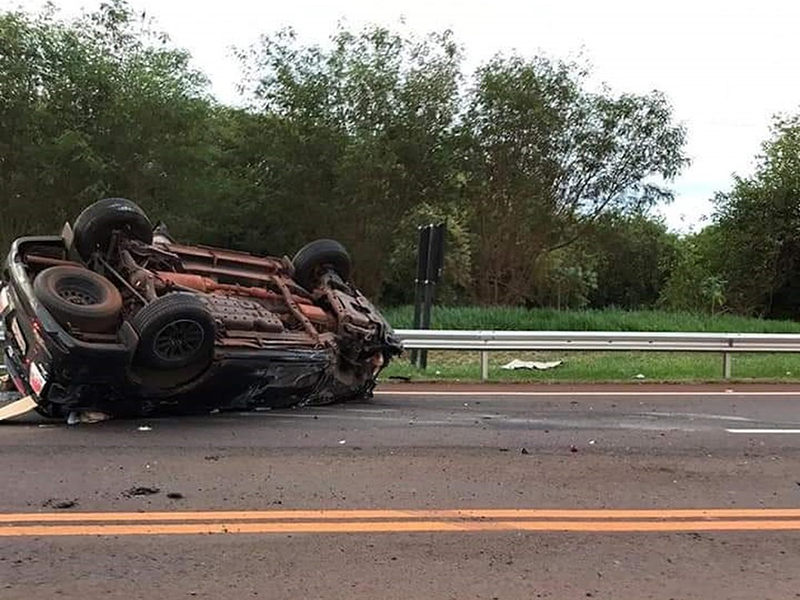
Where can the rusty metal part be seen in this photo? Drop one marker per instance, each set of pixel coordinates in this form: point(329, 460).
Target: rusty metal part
point(242, 314)
point(153, 253)
point(195, 282)
point(217, 256)
point(231, 272)
point(287, 338)
point(295, 308)
point(142, 281)
point(348, 309)
point(120, 278)
point(229, 306)
point(145, 281)
point(316, 314)
point(47, 261)
point(208, 285)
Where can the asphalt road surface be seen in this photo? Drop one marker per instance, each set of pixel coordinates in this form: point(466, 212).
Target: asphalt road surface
point(424, 492)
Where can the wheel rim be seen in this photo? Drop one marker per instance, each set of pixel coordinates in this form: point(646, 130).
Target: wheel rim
point(76, 294)
point(178, 340)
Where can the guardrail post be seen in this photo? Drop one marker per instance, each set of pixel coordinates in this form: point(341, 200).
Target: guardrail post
point(484, 365)
point(726, 365)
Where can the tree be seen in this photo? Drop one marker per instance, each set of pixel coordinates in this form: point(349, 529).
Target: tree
point(694, 283)
point(98, 106)
point(634, 256)
point(546, 158)
point(759, 230)
point(360, 135)
point(361, 139)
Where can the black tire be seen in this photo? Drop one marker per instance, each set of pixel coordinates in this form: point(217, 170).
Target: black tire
point(95, 225)
point(175, 331)
point(79, 298)
point(313, 259)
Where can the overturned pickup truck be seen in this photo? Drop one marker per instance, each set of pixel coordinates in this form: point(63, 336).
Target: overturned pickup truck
point(114, 316)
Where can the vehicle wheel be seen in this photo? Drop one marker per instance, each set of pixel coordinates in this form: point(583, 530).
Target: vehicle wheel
point(313, 259)
point(79, 297)
point(175, 331)
point(95, 225)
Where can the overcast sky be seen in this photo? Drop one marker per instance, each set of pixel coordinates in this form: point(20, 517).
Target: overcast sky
point(727, 66)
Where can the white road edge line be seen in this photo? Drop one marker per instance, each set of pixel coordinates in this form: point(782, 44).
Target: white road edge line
point(609, 394)
point(760, 431)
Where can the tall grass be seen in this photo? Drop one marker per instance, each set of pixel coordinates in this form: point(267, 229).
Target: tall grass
point(544, 319)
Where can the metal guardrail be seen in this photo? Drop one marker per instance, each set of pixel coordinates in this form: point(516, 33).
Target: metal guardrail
point(598, 341)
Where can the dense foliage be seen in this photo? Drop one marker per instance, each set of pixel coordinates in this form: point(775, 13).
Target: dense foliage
point(545, 182)
point(758, 224)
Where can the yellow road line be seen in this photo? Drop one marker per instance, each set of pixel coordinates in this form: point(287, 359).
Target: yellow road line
point(322, 515)
point(394, 527)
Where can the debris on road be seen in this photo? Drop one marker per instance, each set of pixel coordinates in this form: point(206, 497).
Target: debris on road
point(175, 496)
point(141, 491)
point(86, 416)
point(59, 504)
point(531, 364)
point(144, 428)
point(17, 408)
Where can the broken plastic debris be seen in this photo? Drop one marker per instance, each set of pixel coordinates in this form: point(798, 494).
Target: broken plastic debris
point(144, 428)
point(639, 376)
point(86, 416)
point(591, 442)
point(17, 408)
point(342, 441)
point(531, 364)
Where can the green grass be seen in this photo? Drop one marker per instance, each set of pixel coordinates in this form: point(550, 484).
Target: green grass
point(596, 366)
point(602, 367)
point(545, 319)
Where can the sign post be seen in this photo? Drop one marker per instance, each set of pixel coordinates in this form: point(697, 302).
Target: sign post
point(430, 266)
